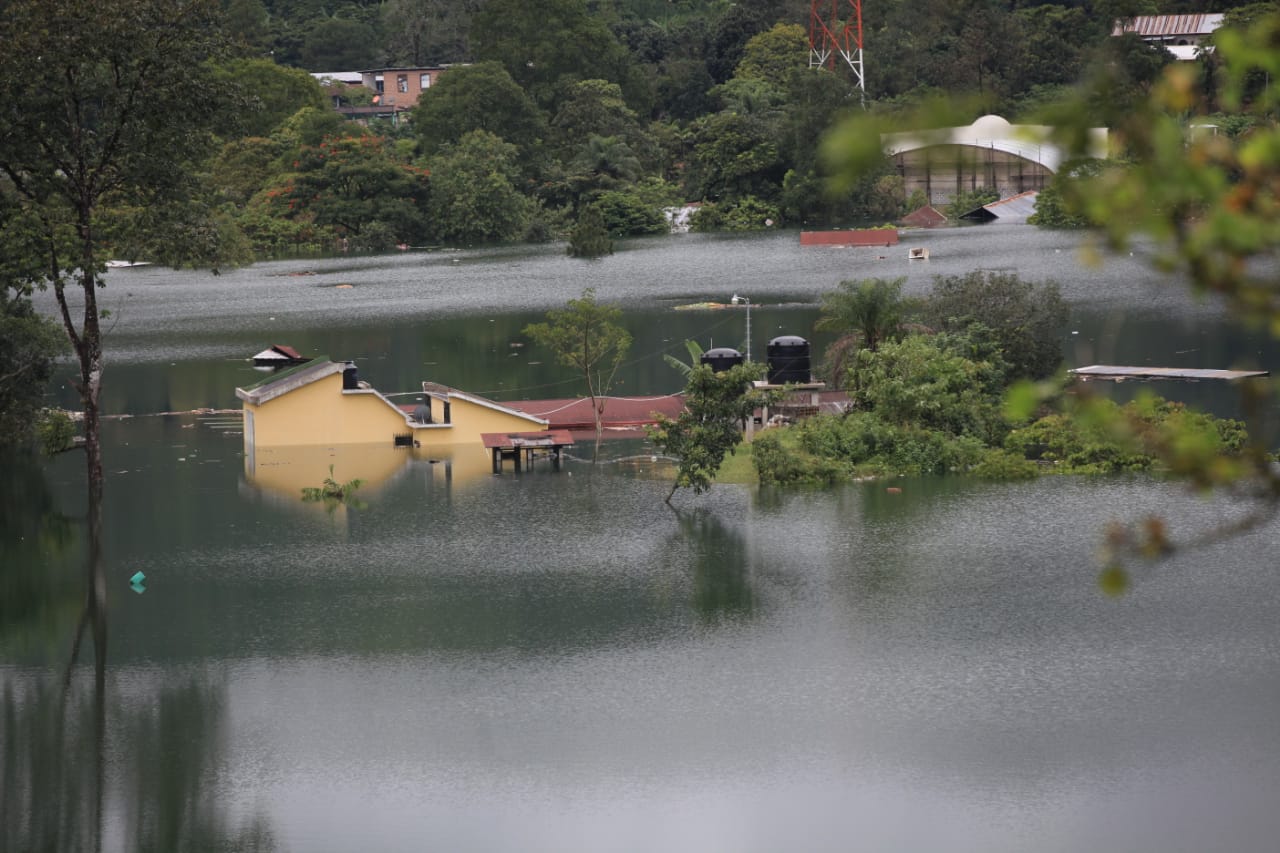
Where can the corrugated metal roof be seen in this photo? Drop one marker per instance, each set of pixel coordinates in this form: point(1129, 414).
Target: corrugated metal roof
point(1015, 208)
point(1169, 26)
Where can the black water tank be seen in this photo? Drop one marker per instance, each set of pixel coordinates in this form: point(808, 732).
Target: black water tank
point(788, 357)
point(350, 379)
point(721, 359)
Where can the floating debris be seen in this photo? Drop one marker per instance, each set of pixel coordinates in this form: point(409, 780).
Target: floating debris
point(702, 306)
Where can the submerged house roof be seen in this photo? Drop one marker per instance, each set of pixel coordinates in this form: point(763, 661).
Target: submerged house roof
point(318, 407)
point(924, 217)
point(280, 353)
point(444, 392)
point(1015, 208)
point(620, 413)
point(289, 380)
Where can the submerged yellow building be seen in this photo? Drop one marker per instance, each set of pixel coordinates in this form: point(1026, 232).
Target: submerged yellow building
point(323, 403)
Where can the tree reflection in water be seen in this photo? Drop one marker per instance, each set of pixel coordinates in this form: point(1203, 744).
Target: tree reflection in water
point(76, 757)
point(721, 565)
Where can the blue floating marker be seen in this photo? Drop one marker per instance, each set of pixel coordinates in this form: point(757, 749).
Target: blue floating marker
point(138, 583)
point(138, 578)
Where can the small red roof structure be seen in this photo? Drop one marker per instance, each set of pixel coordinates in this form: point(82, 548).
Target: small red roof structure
point(850, 237)
point(924, 217)
point(279, 354)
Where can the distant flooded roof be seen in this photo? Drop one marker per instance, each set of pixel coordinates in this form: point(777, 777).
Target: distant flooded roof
point(1119, 373)
point(1168, 26)
point(1015, 208)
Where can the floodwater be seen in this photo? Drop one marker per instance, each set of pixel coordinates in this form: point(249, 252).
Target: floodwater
point(558, 661)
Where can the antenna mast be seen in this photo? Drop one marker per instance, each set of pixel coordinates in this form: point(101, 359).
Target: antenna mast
point(830, 35)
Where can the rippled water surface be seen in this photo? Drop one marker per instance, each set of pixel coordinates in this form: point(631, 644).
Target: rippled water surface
point(558, 661)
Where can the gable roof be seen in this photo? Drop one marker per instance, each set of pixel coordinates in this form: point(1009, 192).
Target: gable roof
point(1015, 208)
point(280, 352)
point(924, 217)
point(435, 389)
point(289, 380)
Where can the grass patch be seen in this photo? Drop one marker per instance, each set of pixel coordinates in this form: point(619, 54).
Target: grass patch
point(738, 467)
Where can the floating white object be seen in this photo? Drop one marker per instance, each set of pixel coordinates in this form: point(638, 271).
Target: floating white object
point(917, 254)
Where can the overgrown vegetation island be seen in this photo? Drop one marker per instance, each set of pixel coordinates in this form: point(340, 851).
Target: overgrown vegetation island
point(929, 386)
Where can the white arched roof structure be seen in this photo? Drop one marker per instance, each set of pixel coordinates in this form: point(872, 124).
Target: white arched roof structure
point(991, 132)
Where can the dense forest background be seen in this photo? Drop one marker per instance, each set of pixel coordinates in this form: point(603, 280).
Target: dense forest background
point(625, 106)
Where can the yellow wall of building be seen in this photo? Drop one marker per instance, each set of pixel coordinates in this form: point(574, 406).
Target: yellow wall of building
point(470, 421)
point(321, 414)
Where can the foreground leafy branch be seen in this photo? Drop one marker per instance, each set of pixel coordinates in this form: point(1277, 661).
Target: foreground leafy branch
point(1209, 201)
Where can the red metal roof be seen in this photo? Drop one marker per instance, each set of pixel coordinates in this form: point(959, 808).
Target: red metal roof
point(624, 417)
point(851, 237)
point(924, 217)
point(629, 414)
point(576, 413)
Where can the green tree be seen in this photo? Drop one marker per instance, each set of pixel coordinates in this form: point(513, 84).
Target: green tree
point(359, 186)
point(311, 126)
point(727, 41)
point(627, 212)
point(733, 156)
point(870, 308)
point(244, 166)
point(422, 31)
point(337, 43)
point(478, 97)
point(593, 108)
point(278, 92)
point(107, 105)
point(473, 196)
point(716, 407)
point(935, 382)
point(681, 89)
point(246, 24)
point(751, 96)
point(1024, 320)
point(28, 345)
point(589, 237)
point(585, 336)
point(695, 351)
point(608, 161)
point(543, 43)
point(1054, 48)
point(775, 54)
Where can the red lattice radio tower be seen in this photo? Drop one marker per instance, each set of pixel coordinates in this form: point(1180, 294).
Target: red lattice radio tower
point(831, 35)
